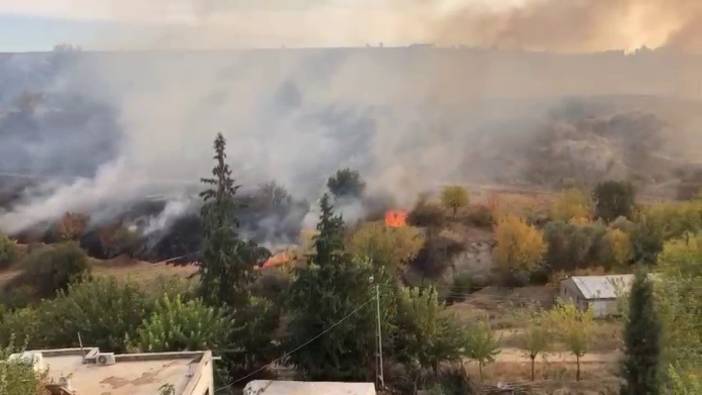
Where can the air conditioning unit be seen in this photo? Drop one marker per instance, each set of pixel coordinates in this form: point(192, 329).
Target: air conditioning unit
point(105, 359)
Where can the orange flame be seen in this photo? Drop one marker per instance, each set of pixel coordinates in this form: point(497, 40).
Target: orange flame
point(276, 260)
point(396, 218)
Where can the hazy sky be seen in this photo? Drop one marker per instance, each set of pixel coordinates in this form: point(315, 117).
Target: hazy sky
point(558, 25)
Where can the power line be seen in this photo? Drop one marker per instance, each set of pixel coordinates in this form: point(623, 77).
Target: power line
point(298, 348)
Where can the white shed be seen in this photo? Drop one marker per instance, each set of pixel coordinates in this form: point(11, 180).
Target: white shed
point(600, 293)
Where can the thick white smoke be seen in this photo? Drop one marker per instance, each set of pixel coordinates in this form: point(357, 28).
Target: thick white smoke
point(408, 119)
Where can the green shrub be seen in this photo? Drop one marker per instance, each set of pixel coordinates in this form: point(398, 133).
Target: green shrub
point(105, 312)
point(262, 318)
point(21, 324)
point(176, 325)
point(18, 296)
point(573, 246)
point(8, 251)
point(51, 269)
point(17, 377)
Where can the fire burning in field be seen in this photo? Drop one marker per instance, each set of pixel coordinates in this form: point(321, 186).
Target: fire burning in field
point(396, 218)
point(279, 259)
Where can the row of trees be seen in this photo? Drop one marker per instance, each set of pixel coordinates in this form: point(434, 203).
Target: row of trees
point(623, 233)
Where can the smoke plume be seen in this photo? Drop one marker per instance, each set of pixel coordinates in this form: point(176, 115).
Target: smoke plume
point(95, 132)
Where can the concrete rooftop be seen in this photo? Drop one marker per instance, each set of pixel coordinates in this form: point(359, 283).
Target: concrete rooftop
point(132, 374)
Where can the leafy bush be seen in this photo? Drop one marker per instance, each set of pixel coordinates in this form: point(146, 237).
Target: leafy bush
point(256, 338)
point(572, 246)
point(51, 269)
point(105, 312)
point(679, 298)
point(17, 377)
point(176, 325)
point(8, 251)
point(673, 220)
point(22, 324)
point(18, 295)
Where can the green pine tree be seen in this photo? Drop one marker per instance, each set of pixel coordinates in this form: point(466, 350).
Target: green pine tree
point(227, 263)
point(218, 210)
point(642, 339)
point(332, 291)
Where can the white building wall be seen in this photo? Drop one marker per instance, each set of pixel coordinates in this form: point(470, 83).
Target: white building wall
point(204, 375)
point(570, 292)
point(604, 307)
point(601, 308)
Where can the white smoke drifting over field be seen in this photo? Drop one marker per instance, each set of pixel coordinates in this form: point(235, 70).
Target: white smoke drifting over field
point(409, 119)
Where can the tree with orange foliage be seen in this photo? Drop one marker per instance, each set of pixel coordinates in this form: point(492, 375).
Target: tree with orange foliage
point(572, 204)
point(391, 247)
point(621, 247)
point(520, 247)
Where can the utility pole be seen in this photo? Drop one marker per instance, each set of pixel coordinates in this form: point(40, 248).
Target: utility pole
point(381, 379)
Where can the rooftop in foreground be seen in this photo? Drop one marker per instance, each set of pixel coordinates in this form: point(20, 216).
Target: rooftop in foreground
point(87, 373)
point(273, 387)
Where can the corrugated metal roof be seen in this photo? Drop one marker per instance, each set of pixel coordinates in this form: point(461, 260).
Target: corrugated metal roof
point(603, 287)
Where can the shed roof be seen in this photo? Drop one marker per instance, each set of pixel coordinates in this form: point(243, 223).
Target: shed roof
point(603, 287)
point(272, 387)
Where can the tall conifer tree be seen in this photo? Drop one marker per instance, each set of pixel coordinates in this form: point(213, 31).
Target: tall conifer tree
point(642, 338)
